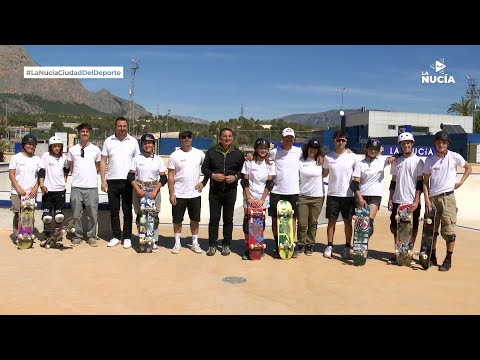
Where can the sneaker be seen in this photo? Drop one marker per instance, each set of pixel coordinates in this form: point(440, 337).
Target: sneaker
point(92, 242)
point(299, 249)
point(76, 241)
point(113, 242)
point(346, 253)
point(328, 252)
point(225, 250)
point(392, 260)
point(154, 247)
point(176, 248)
point(246, 256)
point(309, 250)
point(127, 243)
point(196, 248)
point(433, 261)
point(412, 262)
point(447, 264)
point(211, 250)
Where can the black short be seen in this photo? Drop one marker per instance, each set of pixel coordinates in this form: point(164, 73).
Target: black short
point(275, 198)
point(372, 200)
point(53, 200)
point(193, 205)
point(393, 222)
point(337, 205)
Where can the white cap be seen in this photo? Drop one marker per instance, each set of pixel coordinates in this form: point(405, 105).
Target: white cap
point(288, 131)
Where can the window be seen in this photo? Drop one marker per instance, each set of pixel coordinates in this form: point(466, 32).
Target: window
point(392, 127)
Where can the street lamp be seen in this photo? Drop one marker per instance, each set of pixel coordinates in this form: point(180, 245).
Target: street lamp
point(343, 90)
point(343, 120)
point(166, 125)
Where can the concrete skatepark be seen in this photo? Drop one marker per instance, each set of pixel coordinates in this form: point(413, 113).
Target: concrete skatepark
point(101, 280)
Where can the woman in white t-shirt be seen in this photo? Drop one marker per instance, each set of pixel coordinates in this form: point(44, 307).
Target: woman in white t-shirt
point(257, 182)
point(144, 177)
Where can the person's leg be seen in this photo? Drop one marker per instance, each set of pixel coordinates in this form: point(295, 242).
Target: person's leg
point(393, 230)
point(47, 214)
point(272, 211)
point(332, 212)
point(90, 199)
point(114, 189)
point(194, 206)
point(15, 200)
point(126, 194)
point(416, 218)
point(303, 221)
point(449, 222)
point(178, 211)
point(228, 208)
point(315, 208)
point(215, 199)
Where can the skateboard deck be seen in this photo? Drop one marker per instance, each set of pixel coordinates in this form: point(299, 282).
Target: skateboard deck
point(403, 245)
point(427, 237)
point(361, 235)
point(25, 223)
point(256, 222)
point(146, 226)
point(286, 244)
point(55, 240)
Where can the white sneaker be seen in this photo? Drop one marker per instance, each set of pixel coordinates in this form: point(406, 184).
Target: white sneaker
point(196, 248)
point(328, 252)
point(154, 247)
point(113, 242)
point(176, 248)
point(127, 243)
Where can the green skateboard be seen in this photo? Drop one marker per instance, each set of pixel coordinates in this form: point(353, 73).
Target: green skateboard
point(286, 244)
point(361, 235)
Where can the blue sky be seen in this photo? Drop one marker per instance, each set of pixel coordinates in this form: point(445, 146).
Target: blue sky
point(212, 82)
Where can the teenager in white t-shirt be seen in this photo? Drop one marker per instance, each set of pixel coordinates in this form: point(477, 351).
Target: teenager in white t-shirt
point(147, 174)
point(84, 160)
point(338, 166)
point(22, 172)
point(406, 185)
point(53, 170)
point(439, 183)
point(369, 178)
point(311, 196)
point(257, 182)
point(185, 189)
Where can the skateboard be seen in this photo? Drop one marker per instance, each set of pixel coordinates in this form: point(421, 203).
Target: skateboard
point(286, 244)
point(403, 245)
point(146, 226)
point(427, 237)
point(55, 240)
point(256, 243)
point(25, 223)
point(361, 235)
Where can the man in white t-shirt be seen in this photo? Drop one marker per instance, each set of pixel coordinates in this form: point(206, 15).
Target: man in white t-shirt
point(185, 188)
point(338, 165)
point(119, 149)
point(406, 185)
point(84, 160)
point(439, 182)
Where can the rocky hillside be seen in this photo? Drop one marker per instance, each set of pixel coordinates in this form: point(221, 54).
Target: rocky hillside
point(18, 92)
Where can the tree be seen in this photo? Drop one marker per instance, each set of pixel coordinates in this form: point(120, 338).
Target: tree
point(463, 108)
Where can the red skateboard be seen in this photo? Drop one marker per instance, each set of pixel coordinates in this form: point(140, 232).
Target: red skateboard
point(256, 222)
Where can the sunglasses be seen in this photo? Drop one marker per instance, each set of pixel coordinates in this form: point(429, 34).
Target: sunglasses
point(186, 136)
point(82, 152)
point(340, 140)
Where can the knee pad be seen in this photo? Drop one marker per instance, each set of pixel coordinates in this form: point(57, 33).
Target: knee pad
point(59, 216)
point(449, 238)
point(245, 224)
point(47, 216)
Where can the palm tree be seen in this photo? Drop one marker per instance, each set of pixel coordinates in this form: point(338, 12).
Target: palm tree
point(462, 108)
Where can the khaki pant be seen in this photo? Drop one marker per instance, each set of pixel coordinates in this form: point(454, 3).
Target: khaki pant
point(309, 209)
point(446, 214)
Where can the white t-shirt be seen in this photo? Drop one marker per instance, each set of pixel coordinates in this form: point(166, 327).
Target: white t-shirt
point(340, 173)
point(286, 181)
point(84, 173)
point(406, 170)
point(148, 169)
point(120, 155)
point(257, 178)
point(443, 172)
point(53, 166)
point(26, 168)
point(311, 179)
point(187, 166)
point(371, 174)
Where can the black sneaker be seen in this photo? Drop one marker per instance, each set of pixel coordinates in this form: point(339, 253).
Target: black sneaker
point(225, 250)
point(447, 264)
point(211, 250)
point(246, 256)
point(392, 260)
point(309, 250)
point(299, 249)
point(433, 260)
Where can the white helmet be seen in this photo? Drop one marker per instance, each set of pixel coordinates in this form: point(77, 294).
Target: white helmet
point(405, 136)
point(55, 140)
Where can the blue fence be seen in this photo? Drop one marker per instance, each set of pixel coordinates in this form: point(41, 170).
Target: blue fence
point(168, 145)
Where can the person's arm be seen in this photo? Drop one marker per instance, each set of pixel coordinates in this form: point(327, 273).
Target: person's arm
point(466, 174)
point(41, 180)
point(426, 190)
point(163, 181)
point(392, 187)
point(418, 191)
point(355, 186)
point(16, 186)
point(102, 168)
point(171, 186)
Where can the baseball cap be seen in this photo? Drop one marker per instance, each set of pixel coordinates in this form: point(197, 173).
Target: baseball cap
point(288, 131)
point(313, 143)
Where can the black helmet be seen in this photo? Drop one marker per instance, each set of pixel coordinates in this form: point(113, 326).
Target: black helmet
point(442, 135)
point(373, 143)
point(261, 141)
point(147, 137)
point(29, 138)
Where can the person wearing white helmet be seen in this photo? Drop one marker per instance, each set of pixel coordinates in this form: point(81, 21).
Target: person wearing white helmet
point(406, 185)
point(53, 170)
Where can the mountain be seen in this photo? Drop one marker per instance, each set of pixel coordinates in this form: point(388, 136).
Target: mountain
point(36, 96)
point(324, 119)
point(190, 119)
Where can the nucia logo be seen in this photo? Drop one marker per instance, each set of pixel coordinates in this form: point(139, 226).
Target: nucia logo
point(439, 67)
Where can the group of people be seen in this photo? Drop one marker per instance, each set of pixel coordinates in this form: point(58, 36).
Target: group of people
point(266, 176)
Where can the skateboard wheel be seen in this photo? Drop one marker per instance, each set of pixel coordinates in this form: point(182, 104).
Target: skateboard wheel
point(397, 217)
point(264, 246)
point(428, 221)
point(72, 230)
point(33, 237)
point(397, 252)
point(424, 256)
point(47, 246)
point(281, 246)
point(354, 217)
point(367, 218)
point(63, 231)
point(252, 246)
